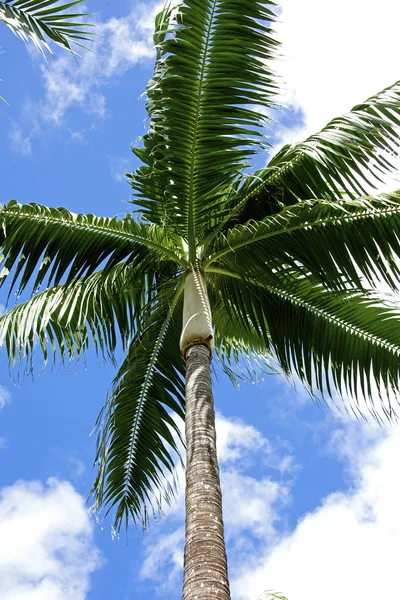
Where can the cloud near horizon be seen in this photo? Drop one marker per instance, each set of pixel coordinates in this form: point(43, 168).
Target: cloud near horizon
point(46, 542)
point(348, 547)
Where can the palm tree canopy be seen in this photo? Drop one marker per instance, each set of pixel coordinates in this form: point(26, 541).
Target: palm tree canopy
point(44, 21)
point(290, 252)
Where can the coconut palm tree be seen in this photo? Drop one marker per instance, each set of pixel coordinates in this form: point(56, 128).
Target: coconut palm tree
point(44, 21)
point(276, 265)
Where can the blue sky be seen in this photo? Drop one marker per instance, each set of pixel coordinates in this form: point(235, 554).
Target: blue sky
point(310, 497)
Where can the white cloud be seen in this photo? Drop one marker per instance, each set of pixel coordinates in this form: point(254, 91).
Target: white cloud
point(77, 136)
point(237, 441)
point(240, 445)
point(20, 142)
point(336, 55)
point(5, 397)
point(330, 63)
point(46, 542)
point(3, 442)
point(164, 559)
point(250, 507)
point(349, 546)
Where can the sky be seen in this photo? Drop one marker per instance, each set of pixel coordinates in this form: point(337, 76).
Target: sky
point(310, 496)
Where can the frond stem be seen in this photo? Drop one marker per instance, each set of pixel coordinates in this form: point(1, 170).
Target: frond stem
point(191, 226)
point(316, 311)
point(148, 376)
point(308, 225)
point(97, 228)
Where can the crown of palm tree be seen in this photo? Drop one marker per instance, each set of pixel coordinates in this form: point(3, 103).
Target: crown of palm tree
point(289, 252)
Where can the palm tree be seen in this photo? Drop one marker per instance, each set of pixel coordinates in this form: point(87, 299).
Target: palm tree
point(275, 265)
point(44, 21)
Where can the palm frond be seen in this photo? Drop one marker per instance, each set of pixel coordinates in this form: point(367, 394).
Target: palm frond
point(240, 336)
point(338, 242)
point(137, 432)
point(272, 596)
point(348, 342)
point(104, 308)
point(44, 21)
point(210, 80)
point(42, 243)
point(349, 156)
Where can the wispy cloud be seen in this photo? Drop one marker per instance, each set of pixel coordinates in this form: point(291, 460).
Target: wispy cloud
point(76, 467)
point(46, 542)
point(71, 82)
point(77, 82)
point(20, 143)
point(118, 167)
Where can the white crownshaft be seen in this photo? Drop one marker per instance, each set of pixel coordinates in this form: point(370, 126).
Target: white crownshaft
point(197, 323)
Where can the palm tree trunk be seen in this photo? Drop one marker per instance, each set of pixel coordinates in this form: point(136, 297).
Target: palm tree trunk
point(205, 564)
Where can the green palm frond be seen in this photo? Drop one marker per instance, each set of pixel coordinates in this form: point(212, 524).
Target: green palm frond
point(238, 315)
point(241, 344)
point(44, 21)
point(271, 596)
point(335, 241)
point(138, 435)
point(348, 342)
point(351, 154)
point(42, 243)
point(210, 80)
point(102, 307)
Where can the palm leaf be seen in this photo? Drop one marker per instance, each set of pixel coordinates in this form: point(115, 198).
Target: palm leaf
point(136, 443)
point(50, 244)
point(240, 347)
point(351, 154)
point(338, 242)
point(211, 78)
point(102, 307)
point(41, 21)
point(345, 341)
point(271, 596)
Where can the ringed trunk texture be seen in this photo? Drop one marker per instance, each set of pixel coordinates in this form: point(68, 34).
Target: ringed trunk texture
point(205, 564)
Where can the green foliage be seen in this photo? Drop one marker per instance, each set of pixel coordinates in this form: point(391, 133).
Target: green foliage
point(62, 244)
point(44, 21)
point(210, 80)
point(290, 253)
point(340, 242)
point(271, 596)
point(352, 151)
point(138, 432)
point(99, 307)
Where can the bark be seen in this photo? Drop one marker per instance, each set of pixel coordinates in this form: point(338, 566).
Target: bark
point(205, 564)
